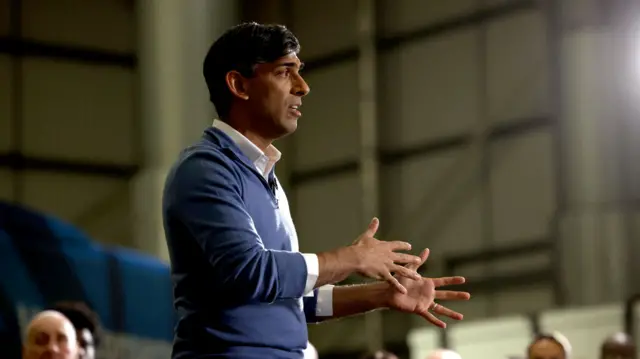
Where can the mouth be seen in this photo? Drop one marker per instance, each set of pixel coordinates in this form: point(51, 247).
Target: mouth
point(295, 110)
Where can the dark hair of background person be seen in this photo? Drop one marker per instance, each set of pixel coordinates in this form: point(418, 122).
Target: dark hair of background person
point(240, 49)
point(82, 317)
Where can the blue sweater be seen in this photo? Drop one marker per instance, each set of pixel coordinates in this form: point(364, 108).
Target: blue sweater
point(237, 285)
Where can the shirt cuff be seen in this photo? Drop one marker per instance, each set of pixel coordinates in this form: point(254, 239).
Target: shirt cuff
point(324, 307)
point(313, 271)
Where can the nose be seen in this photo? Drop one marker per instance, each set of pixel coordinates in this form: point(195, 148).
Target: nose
point(301, 88)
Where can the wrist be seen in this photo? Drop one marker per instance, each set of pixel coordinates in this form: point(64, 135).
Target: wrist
point(349, 257)
point(380, 294)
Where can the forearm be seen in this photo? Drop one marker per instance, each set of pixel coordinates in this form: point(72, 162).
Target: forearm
point(358, 299)
point(335, 266)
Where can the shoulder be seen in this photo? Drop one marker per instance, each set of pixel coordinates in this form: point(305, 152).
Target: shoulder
point(202, 166)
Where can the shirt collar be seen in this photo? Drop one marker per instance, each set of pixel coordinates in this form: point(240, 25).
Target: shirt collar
point(264, 161)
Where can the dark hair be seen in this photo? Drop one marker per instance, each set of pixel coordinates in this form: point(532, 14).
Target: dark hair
point(81, 317)
point(241, 48)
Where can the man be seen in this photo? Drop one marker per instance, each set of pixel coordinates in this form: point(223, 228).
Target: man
point(444, 354)
point(50, 335)
point(241, 288)
point(86, 323)
point(549, 346)
point(618, 346)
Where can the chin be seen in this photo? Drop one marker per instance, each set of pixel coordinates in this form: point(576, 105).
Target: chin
point(288, 127)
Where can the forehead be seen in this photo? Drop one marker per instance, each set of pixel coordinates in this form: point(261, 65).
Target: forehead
point(547, 346)
point(53, 325)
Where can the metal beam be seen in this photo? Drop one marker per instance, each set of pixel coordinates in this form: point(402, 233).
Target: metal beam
point(33, 48)
point(498, 253)
point(431, 147)
point(369, 161)
point(19, 162)
point(439, 28)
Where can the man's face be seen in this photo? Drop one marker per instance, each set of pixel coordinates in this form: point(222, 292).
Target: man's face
point(275, 94)
point(87, 344)
point(51, 338)
point(546, 349)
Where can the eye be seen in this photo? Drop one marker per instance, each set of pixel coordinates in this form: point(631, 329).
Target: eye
point(285, 72)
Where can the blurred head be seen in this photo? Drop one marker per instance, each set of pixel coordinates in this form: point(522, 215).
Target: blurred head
point(444, 354)
point(86, 324)
point(50, 335)
point(549, 346)
point(618, 346)
point(253, 75)
point(380, 354)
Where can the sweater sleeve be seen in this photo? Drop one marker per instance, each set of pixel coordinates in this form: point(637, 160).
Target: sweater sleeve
point(204, 195)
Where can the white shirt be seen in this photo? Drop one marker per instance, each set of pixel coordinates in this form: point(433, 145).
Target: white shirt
point(264, 162)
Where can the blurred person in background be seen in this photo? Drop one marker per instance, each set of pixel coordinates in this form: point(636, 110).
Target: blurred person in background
point(241, 287)
point(549, 346)
point(380, 354)
point(444, 354)
point(86, 323)
point(618, 346)
point(50, 335)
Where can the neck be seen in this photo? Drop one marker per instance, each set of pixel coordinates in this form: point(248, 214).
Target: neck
point(252, 135)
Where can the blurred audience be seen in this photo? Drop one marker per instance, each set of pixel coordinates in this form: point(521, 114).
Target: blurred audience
point(618, 346)
point(444, 354)
point(549, 346)
point(380, 354)
point(50, 335)
point(86, 323)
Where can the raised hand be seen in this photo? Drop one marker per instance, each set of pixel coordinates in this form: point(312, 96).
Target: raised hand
point(421, 295)
point(378, 259)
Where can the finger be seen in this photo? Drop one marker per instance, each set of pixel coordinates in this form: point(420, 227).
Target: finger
point(413, 262)
point(399, 246)
point(439, 282)
point(452, 295)
point(406, 272)
point(394, 282)
point(434, 320)
point(424, 255)
point(442, 310)
point(373, 227)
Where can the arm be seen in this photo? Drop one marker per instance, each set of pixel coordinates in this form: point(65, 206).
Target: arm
point(203, 196)
point(343, 301)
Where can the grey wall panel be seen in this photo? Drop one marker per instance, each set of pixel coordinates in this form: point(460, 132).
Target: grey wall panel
point(523, 186)
point(432, 202)
point(429, 89)
point(103, 24)
point(526, 299)
point(324, 26)
point(344, 335)
point(5, 104)
point(76, 111)
point(517, 71)
point(5, 13)
point(74, 198)
point(406, 15)
point(328, 131)
point(328, 213)
point(6, 185)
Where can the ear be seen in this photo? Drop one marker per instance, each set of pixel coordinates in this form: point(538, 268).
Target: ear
point(237, 84)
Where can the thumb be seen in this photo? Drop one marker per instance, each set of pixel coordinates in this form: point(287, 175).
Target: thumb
point(373, 227)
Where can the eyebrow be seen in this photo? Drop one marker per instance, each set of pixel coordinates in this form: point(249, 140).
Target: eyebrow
point(292, 64)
